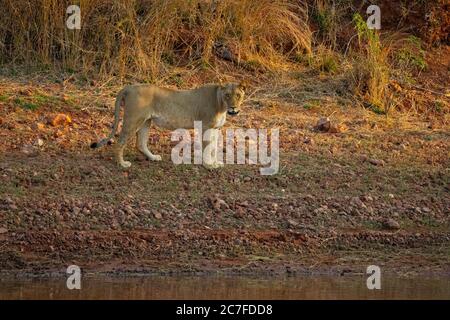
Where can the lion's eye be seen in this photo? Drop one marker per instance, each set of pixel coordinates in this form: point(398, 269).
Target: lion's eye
point(228, 96)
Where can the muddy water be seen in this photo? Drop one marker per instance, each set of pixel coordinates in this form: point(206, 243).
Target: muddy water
point(155, 287)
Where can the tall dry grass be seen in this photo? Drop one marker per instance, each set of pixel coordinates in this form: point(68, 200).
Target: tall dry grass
point(330, 18)
point(146, 38)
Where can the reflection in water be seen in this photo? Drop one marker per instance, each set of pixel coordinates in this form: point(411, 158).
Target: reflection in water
point(231, 288)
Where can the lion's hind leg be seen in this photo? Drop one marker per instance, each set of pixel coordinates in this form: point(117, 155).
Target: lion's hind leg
point(119, 149)
point(142, 142)
point(129, 128)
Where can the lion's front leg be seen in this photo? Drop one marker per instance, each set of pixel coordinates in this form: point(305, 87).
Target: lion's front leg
point(210, 144)
point(218, 148)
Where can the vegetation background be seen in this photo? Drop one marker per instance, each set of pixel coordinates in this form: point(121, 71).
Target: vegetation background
point(159, 41)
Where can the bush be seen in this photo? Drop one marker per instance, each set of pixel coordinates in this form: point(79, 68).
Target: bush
point(371, 69)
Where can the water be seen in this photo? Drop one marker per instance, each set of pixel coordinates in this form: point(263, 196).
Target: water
point(231, 288)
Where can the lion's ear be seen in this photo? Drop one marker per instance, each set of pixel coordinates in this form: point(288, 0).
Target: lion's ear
point(243, 85)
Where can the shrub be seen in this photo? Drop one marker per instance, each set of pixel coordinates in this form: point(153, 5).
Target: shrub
point(371, 69)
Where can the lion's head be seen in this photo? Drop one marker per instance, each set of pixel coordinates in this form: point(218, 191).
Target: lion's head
point(232, 97)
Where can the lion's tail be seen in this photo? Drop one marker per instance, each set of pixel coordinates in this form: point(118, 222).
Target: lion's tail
point(120, 97)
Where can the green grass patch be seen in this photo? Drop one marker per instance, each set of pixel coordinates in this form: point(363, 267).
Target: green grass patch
point(36, 101)
point(412, 56)
point(328, 64)
point(24, 104)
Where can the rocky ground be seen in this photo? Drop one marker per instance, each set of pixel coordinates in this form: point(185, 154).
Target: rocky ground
point(370, 190)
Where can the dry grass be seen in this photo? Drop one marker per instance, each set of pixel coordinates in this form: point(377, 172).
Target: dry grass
point(384, 70)
point(146, 38)
point(330, 18)
point(185, 43)
point(371, 69)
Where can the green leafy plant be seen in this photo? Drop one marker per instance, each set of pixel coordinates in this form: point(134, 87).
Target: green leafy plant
point(26, 104)
point(412, 56)
point(371, 70)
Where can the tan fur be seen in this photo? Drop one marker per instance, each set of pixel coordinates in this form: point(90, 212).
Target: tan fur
point(170, 109)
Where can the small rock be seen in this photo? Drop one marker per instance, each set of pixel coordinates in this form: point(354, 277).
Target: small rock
point(218, 203)
point(8, 200)
point(336, 128)
point(321, 210)
point(3, 230)
point(157, 215)
point(39, 142)
point(323, 125)
point(58, 134)
point(27, 149)
point(356, 201)
point(391, 224)
point(76, 210)
point(26, 92)
point(243, 204)
point(223, 52)
point(367, 198)
point(390, 195)
point(292, 222)
point(61, 119)
point(247, 179)
point(375, 162)
point(239, 212)
point(308, 140)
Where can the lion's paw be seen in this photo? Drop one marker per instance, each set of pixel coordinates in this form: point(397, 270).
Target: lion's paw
point(211, 166)
point(155, 158)
point(125, 164)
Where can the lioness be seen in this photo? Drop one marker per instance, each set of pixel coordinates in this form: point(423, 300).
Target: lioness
point(171, 109)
